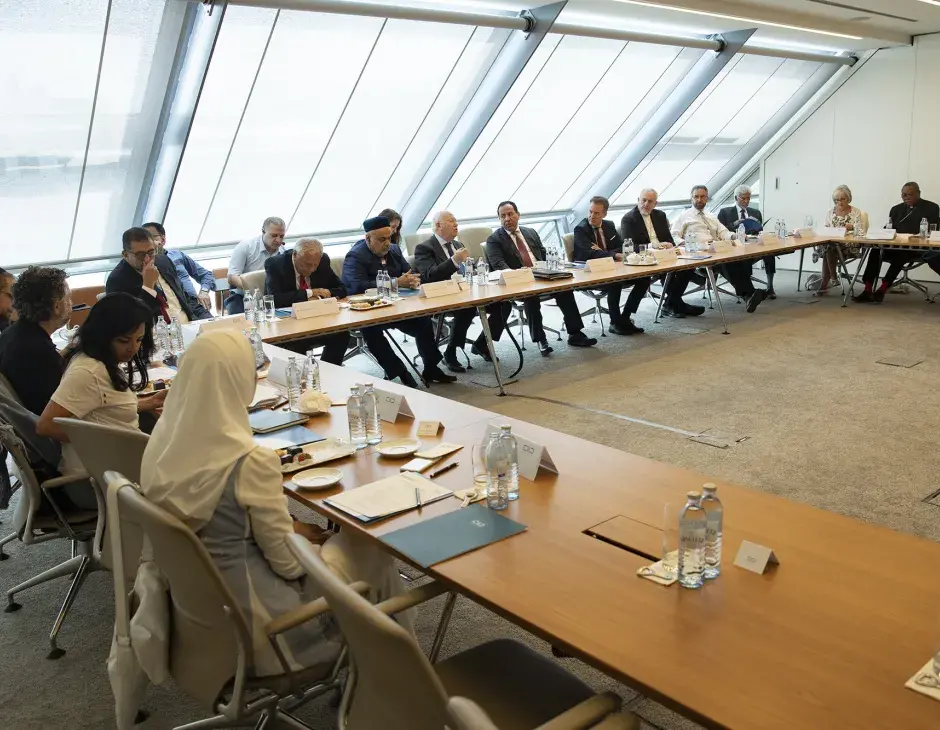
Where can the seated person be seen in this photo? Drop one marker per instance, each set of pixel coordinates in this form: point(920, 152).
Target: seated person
point(741, 212)
point(303, 275)
point(514, 247)
point(151, 277)
point(6, 298)
point(394, 220)
point(595, 238)
point(646, 226)
point(841, 215)
point(230, 492)
point(188, 271)
point(438, 259)
point(706, 227)
point(28, 357)
point(360, 268)
point(105, 369)
point(250, 255)
point(905, 217)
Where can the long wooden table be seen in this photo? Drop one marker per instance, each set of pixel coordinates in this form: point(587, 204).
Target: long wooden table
point(826, 640)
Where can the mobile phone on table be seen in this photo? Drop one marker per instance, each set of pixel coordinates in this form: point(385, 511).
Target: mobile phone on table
point(418, 465)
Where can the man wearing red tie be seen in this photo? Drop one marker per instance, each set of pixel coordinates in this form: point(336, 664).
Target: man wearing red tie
point(302, 275)
point(513, 247)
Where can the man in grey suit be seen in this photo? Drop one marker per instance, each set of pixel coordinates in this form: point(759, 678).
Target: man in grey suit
point(438, 259)
point(514, 247)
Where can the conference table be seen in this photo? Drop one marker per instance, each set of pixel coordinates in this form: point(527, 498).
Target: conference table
point(824, 640)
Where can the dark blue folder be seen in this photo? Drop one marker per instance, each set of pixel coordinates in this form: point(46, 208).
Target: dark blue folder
point(447, 536)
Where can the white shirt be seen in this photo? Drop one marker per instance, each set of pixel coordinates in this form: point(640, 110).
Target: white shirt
point(704, 224)
point(650, 230)
point(525, 243)
point(248, 255)
point(86, 391)
point(444, 242)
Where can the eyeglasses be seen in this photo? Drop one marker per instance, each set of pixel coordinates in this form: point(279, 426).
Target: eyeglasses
point(143, 255)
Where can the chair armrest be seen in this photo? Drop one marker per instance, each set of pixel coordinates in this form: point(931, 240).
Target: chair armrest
point(307, 611)
point(78, 476)
point(412, 598)
point(585, 715)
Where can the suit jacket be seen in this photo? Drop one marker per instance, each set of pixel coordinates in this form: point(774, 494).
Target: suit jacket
point(280, 280)
point(584, 239)
point(501, 251)
point(127, 279)
point(30, 361)
point(633, 227)
point(906, 221)
point(729, 216)
point(361, 266)
point(432, 261)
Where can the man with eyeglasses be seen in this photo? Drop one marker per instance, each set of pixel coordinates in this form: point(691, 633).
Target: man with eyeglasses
point(189, 272)
point(151, 277)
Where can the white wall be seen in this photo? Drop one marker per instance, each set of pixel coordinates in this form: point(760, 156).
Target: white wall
point(879, 130)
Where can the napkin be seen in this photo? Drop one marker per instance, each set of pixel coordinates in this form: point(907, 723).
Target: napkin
point(313, 402)
point(656, 573)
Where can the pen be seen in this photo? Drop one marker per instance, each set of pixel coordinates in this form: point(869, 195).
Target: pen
point(418, 496)
point(443, 469)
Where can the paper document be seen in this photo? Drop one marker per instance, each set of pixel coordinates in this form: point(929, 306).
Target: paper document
point(388, 496)
point(264, 393)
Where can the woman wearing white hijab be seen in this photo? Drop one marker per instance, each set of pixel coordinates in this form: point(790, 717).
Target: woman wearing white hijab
point(203, 466)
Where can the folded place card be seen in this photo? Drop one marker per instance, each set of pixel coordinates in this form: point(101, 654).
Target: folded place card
point(826, 231)
point(666, 255)
point(428, 428)
point(277, 372)
point(935, 236)
point(767, 237)
point(315, 308)
point(508, 277)
point(600, 264)
point(722, 246)
point(926, 681)
point(530, 455)
point(391, 405)
point(440, 288)
point(804, 233)
point(881, 234)
point(754, 557)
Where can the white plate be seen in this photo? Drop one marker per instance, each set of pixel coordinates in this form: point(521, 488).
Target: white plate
point(317, 478)
point(398, 447)
point(321, 451)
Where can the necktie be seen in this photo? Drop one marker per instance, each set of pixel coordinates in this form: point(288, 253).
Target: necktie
point(520, 247)
point(450, 248)
point(599, 239)
point(743, 214)
point(162, 301)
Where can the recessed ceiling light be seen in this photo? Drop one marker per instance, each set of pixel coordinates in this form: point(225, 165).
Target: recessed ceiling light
point(750, 20)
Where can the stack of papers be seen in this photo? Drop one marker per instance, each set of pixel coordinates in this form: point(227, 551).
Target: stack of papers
point(387, 497)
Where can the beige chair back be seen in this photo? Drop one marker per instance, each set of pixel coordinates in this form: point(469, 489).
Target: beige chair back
point(568, 238)
point(467, 715)
point(336, 262)
point(474, 238)
point(396, 687)
point(254, 280)
point(210, 643)
point(410, 242)
point(30, 499)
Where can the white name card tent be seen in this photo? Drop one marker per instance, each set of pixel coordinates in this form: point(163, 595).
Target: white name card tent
point(439, 289)
point(754, 557)
point(722, 246)
point(881, 234)
point(531, 456)
point(665, 255)
point(599, 265)
point(391, 405)
point(935, 236)
point(804, 233)
point(509, 277)
point(231, 322)
point(277, 371)
point(826, 231)
point(315, 308)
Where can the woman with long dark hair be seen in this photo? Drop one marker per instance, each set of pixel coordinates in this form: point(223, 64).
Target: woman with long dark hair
point(394, 219)
point(105, 369)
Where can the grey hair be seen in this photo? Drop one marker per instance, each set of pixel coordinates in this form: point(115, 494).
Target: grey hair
point(649, 190)
point(436, 218)
point(741, 190)
point(843, 189)
point(698, 187)
point(273, 221)
point(307, 244)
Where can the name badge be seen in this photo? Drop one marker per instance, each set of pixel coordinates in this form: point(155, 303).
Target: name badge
point(531, 456)
point(754, 557)
point(666, 255)
point(315, 308)
point(719, 246)
point(599, 265)
point(439, 289)
point(390, 405)
point(510, 277)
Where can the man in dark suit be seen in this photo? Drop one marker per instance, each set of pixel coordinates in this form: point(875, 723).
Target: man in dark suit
point(734, 215)
point(438, 259)
point(644, 225)
point(514, 247)
point(596, 238)
point(905, 217)
point(361, 266)
point(300, 276)
point(152, 278)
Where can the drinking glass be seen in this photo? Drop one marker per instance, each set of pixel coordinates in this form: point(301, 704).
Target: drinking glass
point(269, 314)
point(641, 249)
point(393, 289)
point(671, 512)
point(478, 462)
point(808, 221)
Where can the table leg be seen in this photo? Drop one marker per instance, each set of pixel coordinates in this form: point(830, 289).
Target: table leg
point(711, 278)
point(442, 627)
point(481, 310)
point(799, 273)
point(861, 265)
point(662, 297)
point(842, 264)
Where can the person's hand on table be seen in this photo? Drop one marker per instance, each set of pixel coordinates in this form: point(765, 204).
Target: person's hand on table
point(618, 257)
point(460, 256)
point(409, 281)
point(595, 247)
point(204, 299)
point(151, 402)
point(319, 294)
point(665, 245)
point(150, 275)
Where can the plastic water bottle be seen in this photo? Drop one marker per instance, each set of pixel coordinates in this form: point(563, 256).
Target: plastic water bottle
point(483, 273)
point(161, 337)
point(356, 413)
point(175, 336)
point(293, 383)
point(692, 531)
point(497, 473)
point(714, 513)
point(370, 403)
point(254, 339)
point(742, 233)
point(924, 229)
point(627, 249)
point(258, 307)
point(512, 452)
point(311, 373)
point(468, 271)
point(249, 299)
point(691, 243)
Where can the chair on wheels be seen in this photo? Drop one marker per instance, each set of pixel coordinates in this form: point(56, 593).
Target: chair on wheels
point(905, 278)
point(394, 687)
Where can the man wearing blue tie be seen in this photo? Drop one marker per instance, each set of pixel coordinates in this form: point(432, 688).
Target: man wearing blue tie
point(734, 215)
point(438, 259)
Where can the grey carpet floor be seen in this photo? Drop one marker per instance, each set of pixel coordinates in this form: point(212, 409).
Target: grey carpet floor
point(819, 419)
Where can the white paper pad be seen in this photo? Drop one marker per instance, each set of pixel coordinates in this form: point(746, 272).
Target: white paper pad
point(388, 496)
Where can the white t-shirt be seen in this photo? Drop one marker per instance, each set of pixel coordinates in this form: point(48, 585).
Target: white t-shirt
point(86, 391)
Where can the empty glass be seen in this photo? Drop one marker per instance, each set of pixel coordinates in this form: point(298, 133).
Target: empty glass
point(269, 313)
point(393, 289)
point(671, 512)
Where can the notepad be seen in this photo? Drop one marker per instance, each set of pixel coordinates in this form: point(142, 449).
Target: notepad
point(387, 497)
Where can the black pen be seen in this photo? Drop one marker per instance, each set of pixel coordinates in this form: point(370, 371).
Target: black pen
point(443, 469)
